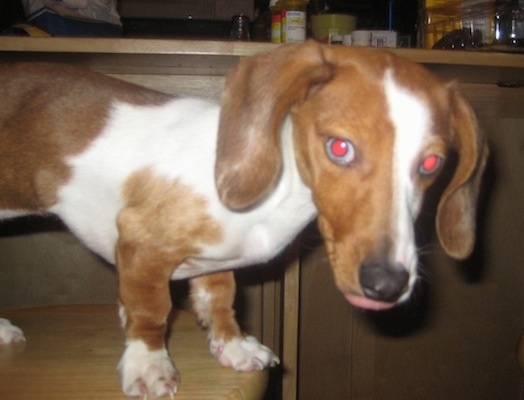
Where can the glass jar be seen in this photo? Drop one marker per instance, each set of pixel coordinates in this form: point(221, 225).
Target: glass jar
point(294, 20)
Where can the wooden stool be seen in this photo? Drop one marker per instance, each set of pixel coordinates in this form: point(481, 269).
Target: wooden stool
point(72, 353)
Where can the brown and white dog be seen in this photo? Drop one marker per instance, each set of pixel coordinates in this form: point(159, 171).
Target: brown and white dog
point(169, 188)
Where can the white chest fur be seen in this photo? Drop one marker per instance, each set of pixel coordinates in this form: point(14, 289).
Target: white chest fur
point(178, 142)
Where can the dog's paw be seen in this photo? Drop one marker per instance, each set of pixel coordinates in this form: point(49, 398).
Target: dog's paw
point(243, 354)
point(10, 333)
point(146, 373)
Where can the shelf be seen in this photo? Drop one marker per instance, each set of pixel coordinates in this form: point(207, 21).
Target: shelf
point(207, 57)
point(230, 48)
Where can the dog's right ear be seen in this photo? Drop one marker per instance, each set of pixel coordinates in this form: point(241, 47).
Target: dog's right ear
point(259, 94)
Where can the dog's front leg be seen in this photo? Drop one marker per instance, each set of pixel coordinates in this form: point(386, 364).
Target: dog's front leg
point(145, 368)
point(213, 297)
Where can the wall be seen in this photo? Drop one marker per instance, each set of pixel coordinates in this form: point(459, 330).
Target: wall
point(184, 9)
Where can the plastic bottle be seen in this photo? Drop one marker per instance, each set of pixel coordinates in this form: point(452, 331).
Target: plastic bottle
point(276, 21)
point(294, 20)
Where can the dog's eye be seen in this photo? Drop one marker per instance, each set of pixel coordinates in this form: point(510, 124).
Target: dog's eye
point(430, 165)
point(340, 151)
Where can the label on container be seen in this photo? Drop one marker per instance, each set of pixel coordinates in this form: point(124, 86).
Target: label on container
point(276, 28)
point(295, 26)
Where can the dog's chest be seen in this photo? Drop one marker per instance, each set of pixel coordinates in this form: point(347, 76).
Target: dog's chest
point(255, 236)
point(252, 238)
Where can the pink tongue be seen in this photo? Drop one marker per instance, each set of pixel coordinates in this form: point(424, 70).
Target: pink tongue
point(367, 304)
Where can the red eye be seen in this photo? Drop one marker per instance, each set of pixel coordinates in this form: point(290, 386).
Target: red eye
point(340, 151)
point(430, 165)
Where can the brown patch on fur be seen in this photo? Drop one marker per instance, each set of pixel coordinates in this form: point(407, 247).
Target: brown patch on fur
point(257, 97)
point(217, 314)
point(163, 223)
point(50, 112)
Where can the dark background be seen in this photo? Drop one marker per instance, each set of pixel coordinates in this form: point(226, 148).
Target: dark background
point(372, 14)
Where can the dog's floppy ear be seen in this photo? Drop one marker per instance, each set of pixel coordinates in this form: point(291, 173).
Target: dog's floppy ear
point(259, 94)
point(456, 214)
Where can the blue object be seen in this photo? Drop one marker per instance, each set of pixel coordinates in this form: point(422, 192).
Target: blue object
point(57, 25)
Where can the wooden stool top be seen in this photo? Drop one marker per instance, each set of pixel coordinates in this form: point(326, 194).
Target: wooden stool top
point(72, 353)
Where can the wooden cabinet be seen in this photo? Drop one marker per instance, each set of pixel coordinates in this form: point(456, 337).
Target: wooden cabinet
point(456, 340)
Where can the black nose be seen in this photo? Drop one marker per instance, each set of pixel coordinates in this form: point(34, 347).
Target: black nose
point(383, 281)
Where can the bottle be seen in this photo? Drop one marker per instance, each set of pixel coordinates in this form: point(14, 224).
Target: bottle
point(294, 20)
point(518, 24)
point(261, 28)
point(240, 27)
point(276, 21)
point(509, 23)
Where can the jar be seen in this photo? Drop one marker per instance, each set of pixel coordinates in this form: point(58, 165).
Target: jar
point(294, 20)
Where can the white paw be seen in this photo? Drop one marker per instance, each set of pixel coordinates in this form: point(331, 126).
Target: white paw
point(243, 354)
point(10, 333)
point(146, 373)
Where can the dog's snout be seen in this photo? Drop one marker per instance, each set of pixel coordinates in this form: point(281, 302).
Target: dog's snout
point(383, 281)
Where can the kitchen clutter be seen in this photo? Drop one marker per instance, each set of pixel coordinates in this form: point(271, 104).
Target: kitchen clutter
point(289, 23)
point(472, 25)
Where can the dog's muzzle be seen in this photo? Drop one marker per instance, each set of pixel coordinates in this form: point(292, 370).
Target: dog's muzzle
point(383, 281)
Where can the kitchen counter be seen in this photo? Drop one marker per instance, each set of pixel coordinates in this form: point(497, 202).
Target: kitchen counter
point(198, 57)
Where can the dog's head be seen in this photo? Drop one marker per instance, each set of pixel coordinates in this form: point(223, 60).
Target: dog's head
point(371, 133)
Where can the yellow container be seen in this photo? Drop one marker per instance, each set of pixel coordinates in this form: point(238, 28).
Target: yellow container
point(324, 26)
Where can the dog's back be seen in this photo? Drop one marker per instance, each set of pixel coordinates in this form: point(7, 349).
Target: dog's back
point(49, 111)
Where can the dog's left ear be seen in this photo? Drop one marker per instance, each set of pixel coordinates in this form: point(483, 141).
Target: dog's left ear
point(456, 214)
point(259, 93)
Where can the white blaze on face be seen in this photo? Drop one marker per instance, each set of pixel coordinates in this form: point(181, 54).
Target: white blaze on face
point(411, 121)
